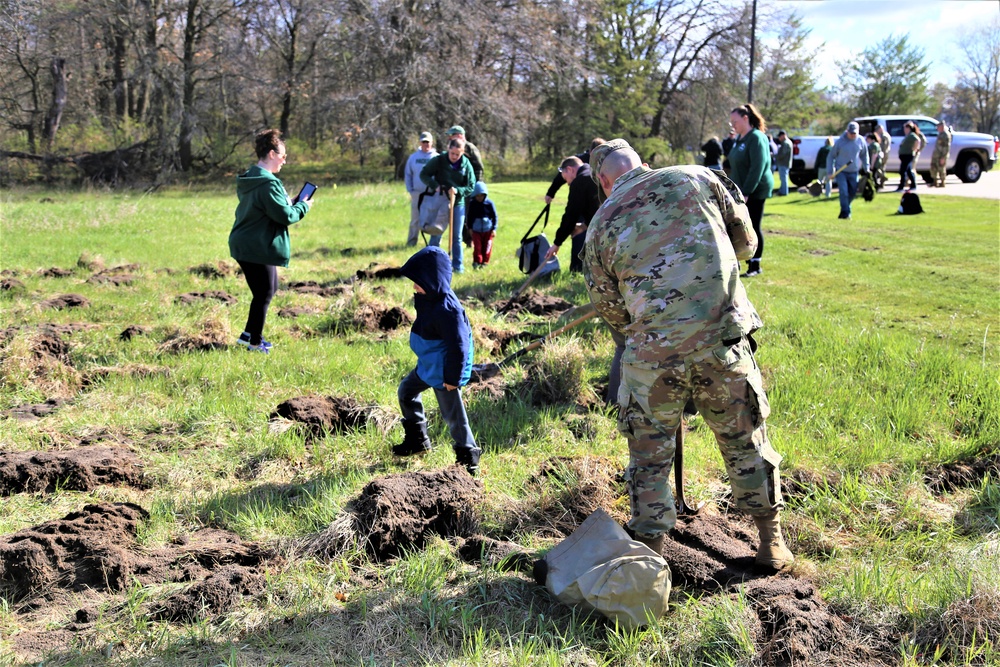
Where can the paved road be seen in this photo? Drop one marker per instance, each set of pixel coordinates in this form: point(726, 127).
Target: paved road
point(988, 186)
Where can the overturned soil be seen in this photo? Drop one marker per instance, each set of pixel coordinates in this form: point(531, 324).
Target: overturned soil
point(401, 512)
point(534, 303)
point(377, 271)
point(131, 331)
point(195, 297)
point(217, 593)
point(114, 279)
point(499, 554)
point(332, 414)
point(82, 469)
point(11, 285)
point(707, 552)
point(965, 473)
point(64, 301)
point(97, 549)
point(218, 269)
point(502, 341)
point(30, 412)
point(296, 311)
point(375, 317)
point(55, 272)
point(313, 287)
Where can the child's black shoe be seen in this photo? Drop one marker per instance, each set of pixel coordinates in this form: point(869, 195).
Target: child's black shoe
point(415, 440)
point(469, 459)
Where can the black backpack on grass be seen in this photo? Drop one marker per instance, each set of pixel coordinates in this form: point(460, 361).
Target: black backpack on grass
point(532, 251)
point(910, 204)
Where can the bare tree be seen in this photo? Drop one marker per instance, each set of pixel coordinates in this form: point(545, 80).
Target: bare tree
point(980, 74)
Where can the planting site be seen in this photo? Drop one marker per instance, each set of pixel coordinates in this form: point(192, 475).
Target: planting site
point(169, 497)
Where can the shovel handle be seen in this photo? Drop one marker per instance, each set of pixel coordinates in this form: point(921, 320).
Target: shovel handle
point(534, 345)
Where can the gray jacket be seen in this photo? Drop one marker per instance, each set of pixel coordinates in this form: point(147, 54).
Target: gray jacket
point(784, 156)
point(852, 152)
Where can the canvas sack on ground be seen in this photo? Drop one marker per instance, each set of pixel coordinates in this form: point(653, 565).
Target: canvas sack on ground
point(600, 568)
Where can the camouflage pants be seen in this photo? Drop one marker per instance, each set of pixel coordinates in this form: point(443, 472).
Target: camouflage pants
point(726, 387)
point(938, 170)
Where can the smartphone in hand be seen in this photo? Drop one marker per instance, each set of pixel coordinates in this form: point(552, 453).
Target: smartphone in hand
point(305, 193)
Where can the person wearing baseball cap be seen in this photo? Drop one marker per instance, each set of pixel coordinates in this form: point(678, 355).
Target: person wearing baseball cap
point(471, 152)
point(849, 157)
point(661, 265)
point(414, 186)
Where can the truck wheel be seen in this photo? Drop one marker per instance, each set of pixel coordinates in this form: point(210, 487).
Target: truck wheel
point(926, 175)
point(970, 168)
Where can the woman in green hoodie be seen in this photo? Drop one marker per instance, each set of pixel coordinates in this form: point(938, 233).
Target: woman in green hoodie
point(750, 160)
point(259, 239)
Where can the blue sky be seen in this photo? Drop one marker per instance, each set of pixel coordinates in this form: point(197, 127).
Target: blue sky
point(849, 26)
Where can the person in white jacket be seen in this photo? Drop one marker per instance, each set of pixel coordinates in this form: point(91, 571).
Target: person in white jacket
point(414, 186)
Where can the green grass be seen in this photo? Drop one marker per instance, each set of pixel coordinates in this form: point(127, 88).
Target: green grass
point(880, 353)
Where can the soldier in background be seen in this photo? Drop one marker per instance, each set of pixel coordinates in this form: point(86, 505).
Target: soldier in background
point(939, 158)
point(471, 152)
point(662, 268)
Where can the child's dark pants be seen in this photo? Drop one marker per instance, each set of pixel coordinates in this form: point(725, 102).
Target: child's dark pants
point(450, 402)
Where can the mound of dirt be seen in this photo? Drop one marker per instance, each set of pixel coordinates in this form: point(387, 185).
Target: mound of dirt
point(332, 414)
point(499, 554)
point(503, 340)
point(313, 287)
point(962, 474)
point(375, 317)
point(114, 279)
point(97, 548)
point(218, 269)
point(11, 285)
point(378, 272)
point(65, 301)
point(131, 331)
point(216, 594)
point(50, 344)
point(80, 469)
point(296, 311)
point(534, 303)
point(125, 370)
point(402, 511)
point(213, 336)
point(66, 329)
point(55, 272)
point(194, 297)
point(798, 625)
point(30, 412)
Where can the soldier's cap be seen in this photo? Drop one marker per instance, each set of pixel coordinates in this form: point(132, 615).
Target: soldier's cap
point(599, 154)
point(427, 136)
point(455, 129)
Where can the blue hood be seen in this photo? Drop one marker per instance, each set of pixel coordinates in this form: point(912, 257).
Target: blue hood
point(431, 269)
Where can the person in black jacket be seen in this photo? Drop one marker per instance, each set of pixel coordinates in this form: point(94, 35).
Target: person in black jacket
point(558, 181)
point(580, 208)
point(713, 153)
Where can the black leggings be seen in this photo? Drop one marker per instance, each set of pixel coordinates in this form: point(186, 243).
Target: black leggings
point(263, 282)
point(755, 207)
point(906, 170)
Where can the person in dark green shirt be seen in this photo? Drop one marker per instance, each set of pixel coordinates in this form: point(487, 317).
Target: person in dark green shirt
point(259, 239)
point(750, 162)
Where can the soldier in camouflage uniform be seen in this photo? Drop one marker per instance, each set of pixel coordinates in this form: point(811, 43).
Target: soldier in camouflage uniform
point(662, 268)
point(939, 158)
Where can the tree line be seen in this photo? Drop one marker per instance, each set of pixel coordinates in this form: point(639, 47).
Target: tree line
point(146, 90)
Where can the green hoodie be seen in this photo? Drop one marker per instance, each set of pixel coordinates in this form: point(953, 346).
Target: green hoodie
point(260, 233)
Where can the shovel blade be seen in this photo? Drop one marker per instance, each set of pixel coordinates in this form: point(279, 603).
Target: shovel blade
point(482, 372)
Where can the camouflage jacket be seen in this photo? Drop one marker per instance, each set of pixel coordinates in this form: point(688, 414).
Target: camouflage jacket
point(660, 267)
point(943, 145)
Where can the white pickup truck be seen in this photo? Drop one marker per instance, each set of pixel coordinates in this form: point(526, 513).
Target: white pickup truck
point(971, 153)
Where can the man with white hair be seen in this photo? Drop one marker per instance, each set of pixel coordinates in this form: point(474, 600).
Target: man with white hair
point(661, 264)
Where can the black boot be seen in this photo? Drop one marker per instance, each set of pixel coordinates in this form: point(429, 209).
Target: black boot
point(415, 440)
point(468, 458)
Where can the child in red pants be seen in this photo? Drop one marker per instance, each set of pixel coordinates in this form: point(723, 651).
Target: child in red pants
point(483, 216)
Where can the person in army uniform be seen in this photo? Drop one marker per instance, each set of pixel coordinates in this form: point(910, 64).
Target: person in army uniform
point(662, 268)
point(939, 158)
point(471, 152)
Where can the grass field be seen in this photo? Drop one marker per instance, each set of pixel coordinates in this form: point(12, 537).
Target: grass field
point(880, 354)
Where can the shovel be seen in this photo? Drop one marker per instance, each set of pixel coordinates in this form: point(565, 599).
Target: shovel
point(816, 187)
point(683, 509)
point(482, 372)
point(534, 274)
point(451, 220)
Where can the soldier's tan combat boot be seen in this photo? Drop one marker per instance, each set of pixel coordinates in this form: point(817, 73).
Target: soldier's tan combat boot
point(772, 552)
point(654, 543)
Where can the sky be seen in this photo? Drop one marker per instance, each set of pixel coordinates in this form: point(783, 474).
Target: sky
point(848, 27)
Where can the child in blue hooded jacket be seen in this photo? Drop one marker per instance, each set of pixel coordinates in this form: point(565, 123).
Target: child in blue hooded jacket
point(482, 215)
point(442, 340)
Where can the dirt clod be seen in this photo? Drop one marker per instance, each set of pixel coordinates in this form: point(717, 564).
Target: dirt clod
point(30, 412)
point(115, 279)
point(313, 287)
point(218, 593)
point(503, 340)
point(402, 511)
point(195, 297)
point(535, 303)
point(798, 625)
point(82, 469)
point(131, 331)
point(965, 473)
point(11, 285)
point(296, 311)
point(379, 272)
point(218, 269)
point(56, 272)
point(65, 301)
point(332, 414)
point(504, 556)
